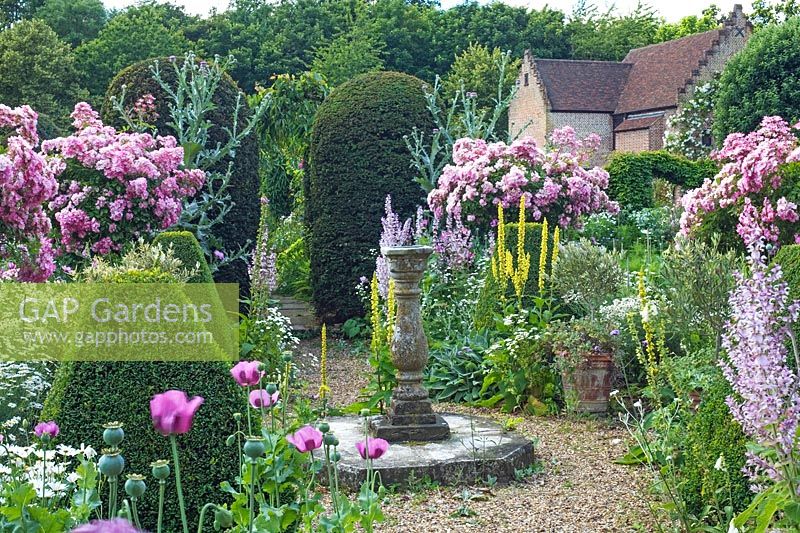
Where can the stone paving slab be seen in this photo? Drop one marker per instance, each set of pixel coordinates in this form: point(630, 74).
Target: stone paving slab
point(477, 449)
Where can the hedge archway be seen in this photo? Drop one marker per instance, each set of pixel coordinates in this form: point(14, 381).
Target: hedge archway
point(632, 175)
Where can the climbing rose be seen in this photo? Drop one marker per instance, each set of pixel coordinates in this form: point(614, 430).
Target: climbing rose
point(306, 439)
point(372, 448)
point(173, 412)
point(749, 185)
point(247, 373)
point(553, 181)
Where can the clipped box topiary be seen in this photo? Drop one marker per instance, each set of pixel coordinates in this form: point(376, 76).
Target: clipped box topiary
point(357, 157)
point(241, 223)
point(86, 395)
point(187, 249)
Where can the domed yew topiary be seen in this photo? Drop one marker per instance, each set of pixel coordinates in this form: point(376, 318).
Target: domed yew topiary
point(241, 223)
point(86, 395)
point(357, 157)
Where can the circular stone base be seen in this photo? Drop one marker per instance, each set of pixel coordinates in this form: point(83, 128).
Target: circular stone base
point(477, 449)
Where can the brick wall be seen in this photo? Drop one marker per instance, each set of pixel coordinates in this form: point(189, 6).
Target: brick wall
point(586, 123)
point(527, 114)
point(656, 134)
point(633, 141)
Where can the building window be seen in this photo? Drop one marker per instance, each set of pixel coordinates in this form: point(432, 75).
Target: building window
point(526, 79)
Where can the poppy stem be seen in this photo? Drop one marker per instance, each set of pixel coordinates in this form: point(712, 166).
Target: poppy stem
point(181, 503)
point(161, 488)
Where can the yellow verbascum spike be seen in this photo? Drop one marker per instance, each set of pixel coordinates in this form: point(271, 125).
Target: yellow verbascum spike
point(391, 306)
point(324, 390)
point(543, 255)
point(523, 259)
point(375, 317)
point(556, 242)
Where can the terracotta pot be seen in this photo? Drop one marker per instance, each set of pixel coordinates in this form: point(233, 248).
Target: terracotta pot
point(591, 383)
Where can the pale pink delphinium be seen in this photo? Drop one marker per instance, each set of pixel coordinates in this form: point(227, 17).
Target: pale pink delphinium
point(766, 399)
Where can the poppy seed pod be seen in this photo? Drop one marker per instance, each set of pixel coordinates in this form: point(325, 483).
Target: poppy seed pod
point(135, 486)
point(111, 464)
point(160, 469)
point(113, 434)
point(254, 447)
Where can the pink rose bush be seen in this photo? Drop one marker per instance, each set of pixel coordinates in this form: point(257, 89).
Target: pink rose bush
point(553, 181)
point(123, 186)
point(27, 183)
point(749, 184)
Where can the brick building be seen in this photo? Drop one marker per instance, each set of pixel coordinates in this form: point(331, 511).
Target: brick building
point(627, 103)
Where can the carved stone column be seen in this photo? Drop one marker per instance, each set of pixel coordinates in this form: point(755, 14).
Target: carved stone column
point(410, 416)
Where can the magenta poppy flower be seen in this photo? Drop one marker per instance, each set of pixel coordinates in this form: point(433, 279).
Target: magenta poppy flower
point(246, 373)
point(306, 439)
point(46, 428)
point(117, 525)
point(372, 448)
point(261, 398)
point(173, 412)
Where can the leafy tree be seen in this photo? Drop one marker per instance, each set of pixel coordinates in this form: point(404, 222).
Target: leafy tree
point(478, 69)
point(75, 21)
point(709, 20)
point(760, 81)
point(772, 12)
point(346, 56)
point(609, 36)
point(14, 10)
point(409, 34)
point(138, 33)
point(38, 69)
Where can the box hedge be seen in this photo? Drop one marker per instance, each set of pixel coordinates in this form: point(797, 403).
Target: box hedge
point(632, 175)
point(712, 432)
point(85, 395)
point(241, 223)
point(357, 157)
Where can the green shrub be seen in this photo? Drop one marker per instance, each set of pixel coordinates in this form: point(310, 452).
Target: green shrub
point(760, 81)
point(241, 223)
point(490, 295)
point(712, 432)
point(788, 257)
point(357, 157)
point(187, 249)
point(632, 175)
point(85, 395)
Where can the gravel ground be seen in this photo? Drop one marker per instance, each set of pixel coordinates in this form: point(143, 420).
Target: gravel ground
point(580, 489)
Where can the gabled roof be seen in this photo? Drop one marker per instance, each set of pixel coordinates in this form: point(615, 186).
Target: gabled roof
point(584, 86)
point(659, 71)
point(642, 123)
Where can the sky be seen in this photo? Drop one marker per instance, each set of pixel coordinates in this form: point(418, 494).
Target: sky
point(671, 10)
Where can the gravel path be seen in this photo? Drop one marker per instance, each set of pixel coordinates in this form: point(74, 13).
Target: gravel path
point(580, 489)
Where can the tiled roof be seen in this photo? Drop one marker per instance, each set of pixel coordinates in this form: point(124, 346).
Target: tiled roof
point(592, 86)
point(637, 123)
point(658, 72)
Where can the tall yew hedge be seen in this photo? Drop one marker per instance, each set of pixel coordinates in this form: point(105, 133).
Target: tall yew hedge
point(357, 157)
